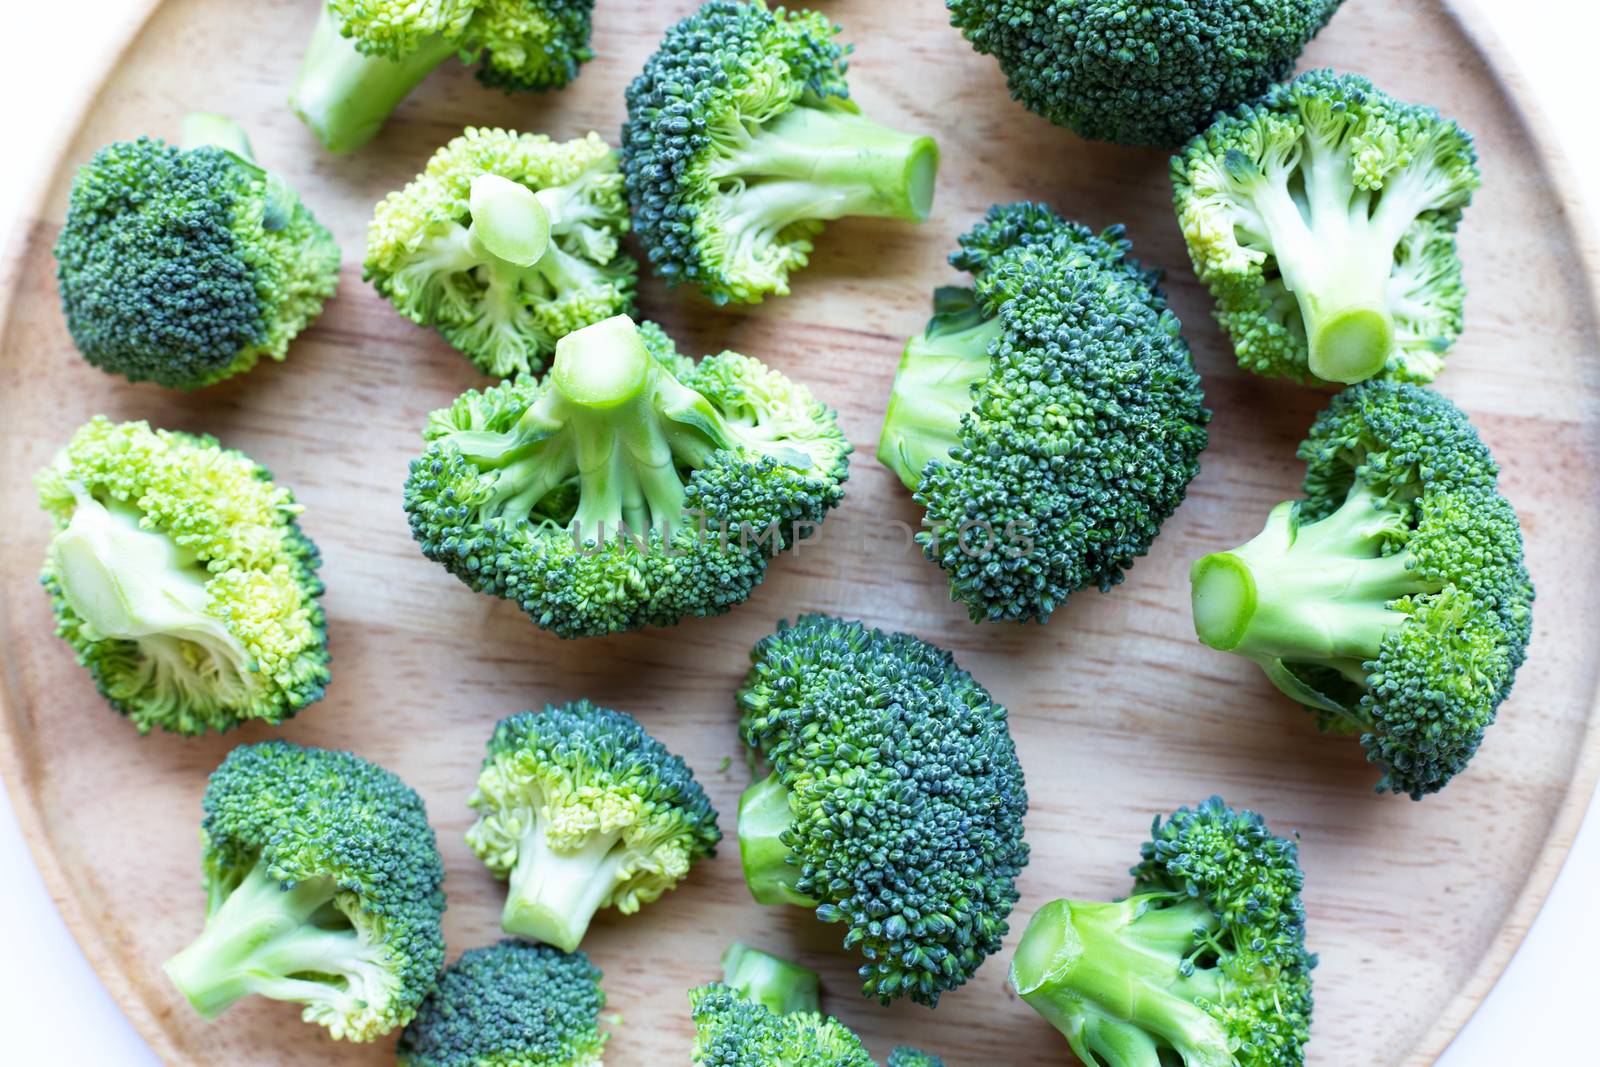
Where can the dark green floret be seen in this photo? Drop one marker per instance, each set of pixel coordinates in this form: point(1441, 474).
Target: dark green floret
point(1393, 601)
point(905, 1056)
point(581, 809)
point(1049, 419)
point(1139, 72)
point(742, 140)
point(630, 487)
point(1323, 218)
point(366, 56)
point(894, 802)
point(323, 887)
point(1205, 965)
point(187, 265)
point(510, 1005)
point(766, 1012)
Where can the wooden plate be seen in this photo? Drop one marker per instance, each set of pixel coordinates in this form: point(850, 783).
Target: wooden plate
point(1118, 712)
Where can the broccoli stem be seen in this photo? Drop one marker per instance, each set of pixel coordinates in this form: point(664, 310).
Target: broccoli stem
point(553, 894)
point(344, 96)
point(1111, 977)
point(764, 814)
point(932, 391)
point(781, 986)
point(201, 129)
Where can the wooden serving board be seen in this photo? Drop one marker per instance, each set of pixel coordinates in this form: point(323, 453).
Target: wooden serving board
point(1118, 712)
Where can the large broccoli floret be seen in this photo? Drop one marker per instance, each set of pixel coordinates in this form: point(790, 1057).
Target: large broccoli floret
point(766, 1012)
point(894, 803)
point(505, 243)
point(1049, 420)
point(510, 1005)
point(631, 487)
point(583, 810)
point(742, 140)
point(1205, 965)
point(322, 888)
point(1323, 218)
point(366, 56)
point(1140, 72)
point(1392, 601)
point(180, 577)
point(184, 266)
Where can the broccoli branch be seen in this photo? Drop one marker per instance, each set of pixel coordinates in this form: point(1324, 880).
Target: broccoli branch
point(553, 894)
point(764, 815)
point(779, 985)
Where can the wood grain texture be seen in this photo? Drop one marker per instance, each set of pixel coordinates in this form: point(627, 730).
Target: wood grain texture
point(1117, 711)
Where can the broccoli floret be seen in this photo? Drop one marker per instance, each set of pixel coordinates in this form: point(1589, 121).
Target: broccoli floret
point(1323, 218)
point(186, 265)
point(1049, 420)
point(884, 727)
point(366, 56)
point(904, 1056)
point(742, 140)
point(1139, 72)
point(582, 809)
point(322, 884)
point(179, 576)
point(766, 1012)
point(505, 243)
point(1204, 965)
point(510, 1005)
point(631, 487)
point(1393, 601)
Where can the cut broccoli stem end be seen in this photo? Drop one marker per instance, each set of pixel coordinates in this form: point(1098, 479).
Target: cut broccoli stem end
point(1111, 978)
point(932, 391)
point(202, 128)
point(345, 96)
point(553, 894)
point(1350, 344)
point(509, 224)
point(764, 814)
point(781, 986)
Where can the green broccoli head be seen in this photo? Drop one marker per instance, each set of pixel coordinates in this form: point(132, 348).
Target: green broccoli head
point(631, 487)
point(1048, 420)
point(1393, 601)
point(180, 578)
point(742, 140)
point(1134, 71)
point(582, 809)
point(505, 243)
point(1204, 965)
point(905, 1056)
point(887, 728)
point(766, 1012)
point(186, 266)
point(365, 56)
point(323, 888)
point(510, 1005)
point(1323, 219)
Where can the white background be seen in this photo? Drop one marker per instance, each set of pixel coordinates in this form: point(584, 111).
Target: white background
point(53, 1010)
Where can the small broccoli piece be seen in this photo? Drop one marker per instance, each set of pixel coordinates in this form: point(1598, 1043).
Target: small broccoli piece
point(886, 728)
point(1204, 965)
point(583, 810)
point(180, 578)
point(1323, 218)
point(505, 243)
point(631, 487)
point(322, 887)
point(1393, 601)
point(904, 1056)
point(1135, 71)
point(510, 1005)
point(742, 140)
point(766, 1012)
point(185, 266)
point(1049, 420)
point(366, 56)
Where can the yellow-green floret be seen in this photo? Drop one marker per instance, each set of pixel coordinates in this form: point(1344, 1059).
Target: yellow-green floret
point(581, 809)
point(894, 802)
point(506, 243)
point(186, 265)
point(1205, 965)
point(630, 487)
point(742, 140)
point(1393, 601)
point(1323, 218)
point(180, 577)
point(766, 1012)
point(510, 1005)
point(323, 888)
